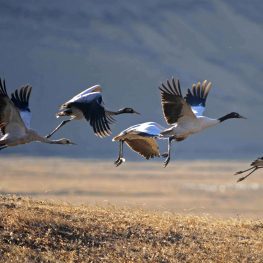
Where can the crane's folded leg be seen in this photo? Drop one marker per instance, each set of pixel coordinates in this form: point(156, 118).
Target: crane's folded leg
point(120, 158)
point(58, 127)
point(168, 154)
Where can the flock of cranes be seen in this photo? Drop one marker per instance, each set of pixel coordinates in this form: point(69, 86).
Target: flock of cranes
point(184, 115)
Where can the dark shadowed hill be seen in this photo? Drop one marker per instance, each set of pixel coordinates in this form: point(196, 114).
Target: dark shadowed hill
point(62, 47)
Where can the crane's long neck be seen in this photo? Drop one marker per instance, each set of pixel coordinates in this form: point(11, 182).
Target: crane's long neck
point(37, 137)
point(54, 141)
point(207, 122)
point(225, 117)
point(118, 112)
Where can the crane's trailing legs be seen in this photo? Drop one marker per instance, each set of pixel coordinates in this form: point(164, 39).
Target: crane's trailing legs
point(120, 158)
point(244, 177)
point(58, 127)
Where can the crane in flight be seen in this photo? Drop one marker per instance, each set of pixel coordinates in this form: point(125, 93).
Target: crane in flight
point(185, 114)
point(257, 164)
point(89, 105)
point(141, 138)
point(15, 117)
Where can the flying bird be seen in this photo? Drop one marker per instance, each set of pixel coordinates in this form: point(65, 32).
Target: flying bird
point(15, 117)
point(185, 114)
point(89, 105)
point(141, 138)
point(257, 164)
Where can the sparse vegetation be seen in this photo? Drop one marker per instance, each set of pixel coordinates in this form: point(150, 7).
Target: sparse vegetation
point(41, 231)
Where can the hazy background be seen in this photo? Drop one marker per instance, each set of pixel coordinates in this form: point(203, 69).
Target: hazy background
point(130, 47)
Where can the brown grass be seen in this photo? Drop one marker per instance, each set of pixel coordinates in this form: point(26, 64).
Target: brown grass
point(41, 231)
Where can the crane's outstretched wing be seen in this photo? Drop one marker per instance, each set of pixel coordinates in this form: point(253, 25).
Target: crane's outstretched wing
point(20, 98)
point(10, 119)
point(109, 117)
point(196, 97)
point(175, 108)
point(94, 112)
point(95, 88)
point(146, 129)
point(146, 146)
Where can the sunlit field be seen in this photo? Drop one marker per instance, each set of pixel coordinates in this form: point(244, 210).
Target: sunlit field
point(194, 188)
point(43, 231)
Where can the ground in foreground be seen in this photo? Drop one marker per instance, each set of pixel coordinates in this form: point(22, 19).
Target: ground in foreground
point(40, 231)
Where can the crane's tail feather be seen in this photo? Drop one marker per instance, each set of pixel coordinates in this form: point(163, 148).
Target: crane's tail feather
point(167, 132)
point(165, 155)
point(3, 147)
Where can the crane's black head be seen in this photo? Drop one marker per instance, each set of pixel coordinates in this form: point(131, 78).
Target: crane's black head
point(127, 110)
point(232, 115)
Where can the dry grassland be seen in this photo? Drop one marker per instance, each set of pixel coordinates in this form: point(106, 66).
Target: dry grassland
point(89, 211)
point(196, 187)
point(41, 231)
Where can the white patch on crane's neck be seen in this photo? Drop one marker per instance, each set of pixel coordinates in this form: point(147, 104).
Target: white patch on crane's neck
point(186, 127)
point(26, 117)
point(206, 122)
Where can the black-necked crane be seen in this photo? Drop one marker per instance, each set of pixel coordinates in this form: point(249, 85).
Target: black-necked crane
point(185, 114)
point(257, 164)
point(15, 117)
point(89, 105)
point(141, 138)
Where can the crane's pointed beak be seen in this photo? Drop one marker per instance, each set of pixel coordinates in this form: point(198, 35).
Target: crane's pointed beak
point(137, 112)
point(242, 117)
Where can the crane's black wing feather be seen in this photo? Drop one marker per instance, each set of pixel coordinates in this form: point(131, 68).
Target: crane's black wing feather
point(3, 103)
point(21, 98)
point(198, 95)
point(10, 119)
point(95, 113)
point(173, 104)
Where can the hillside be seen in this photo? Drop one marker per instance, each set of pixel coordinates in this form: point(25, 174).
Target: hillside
point(62, 47)
point(40, 231)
